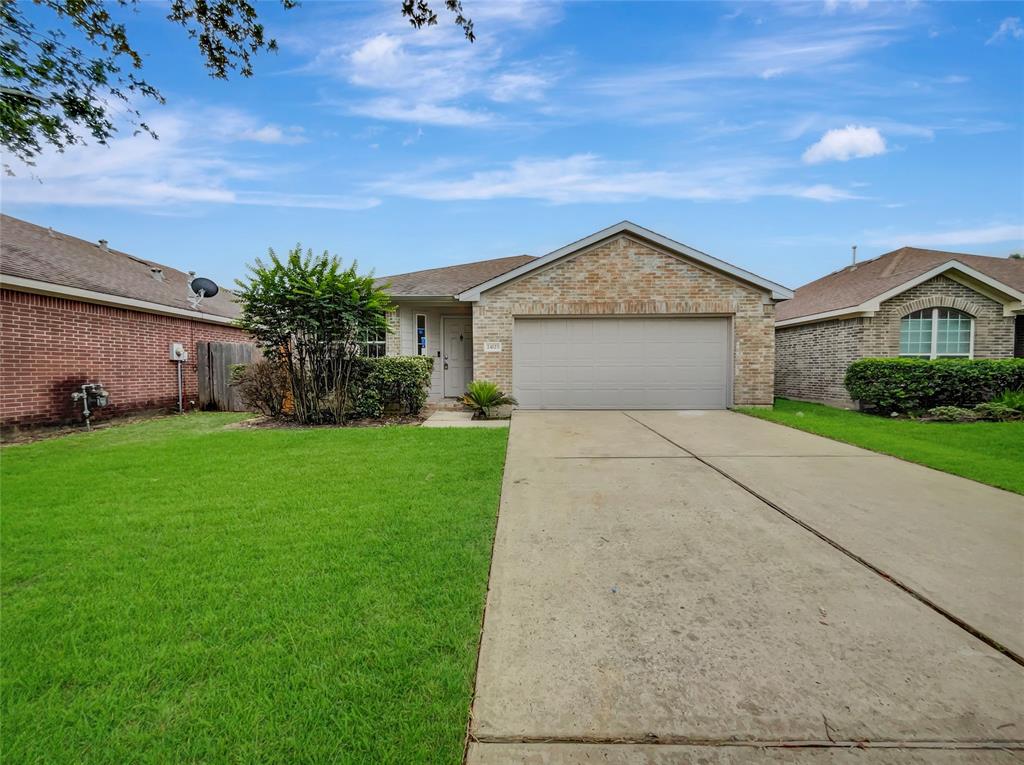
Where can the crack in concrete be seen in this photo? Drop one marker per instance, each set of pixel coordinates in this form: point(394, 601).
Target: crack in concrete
point(974, 631)
point(655, 740)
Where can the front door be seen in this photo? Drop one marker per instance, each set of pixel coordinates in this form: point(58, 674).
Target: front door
point(457, 339)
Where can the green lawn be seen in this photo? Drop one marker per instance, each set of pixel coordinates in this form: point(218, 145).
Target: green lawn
point(990, 452)
point(178, 592)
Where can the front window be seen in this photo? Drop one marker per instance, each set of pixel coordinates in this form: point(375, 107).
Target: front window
point(373, 344)
point(936, 333)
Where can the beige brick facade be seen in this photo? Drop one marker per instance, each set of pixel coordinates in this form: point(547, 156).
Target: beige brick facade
point(626, 277)
point(812, 359)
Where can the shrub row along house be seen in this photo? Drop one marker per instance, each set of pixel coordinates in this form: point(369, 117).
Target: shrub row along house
point(74, 312)
point(624, 318)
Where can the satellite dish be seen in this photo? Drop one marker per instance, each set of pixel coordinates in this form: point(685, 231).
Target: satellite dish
point(199, 288)
point(205, 287)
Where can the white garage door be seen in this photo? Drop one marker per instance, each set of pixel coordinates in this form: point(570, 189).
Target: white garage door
point(621, 363)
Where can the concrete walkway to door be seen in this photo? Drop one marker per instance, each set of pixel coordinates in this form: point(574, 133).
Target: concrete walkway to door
point(708, 587)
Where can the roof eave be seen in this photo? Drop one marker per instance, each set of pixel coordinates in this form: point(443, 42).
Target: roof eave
point(777, 291)
point(1012, 299)
point(36, 286)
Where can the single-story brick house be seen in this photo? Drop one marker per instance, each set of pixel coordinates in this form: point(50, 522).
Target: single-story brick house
point(73, 311)
point(909, 302)
point(624, 318)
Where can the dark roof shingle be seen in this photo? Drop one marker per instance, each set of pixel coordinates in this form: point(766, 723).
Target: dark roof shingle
point(33, 252)
point(450, 280)
point(858, 283)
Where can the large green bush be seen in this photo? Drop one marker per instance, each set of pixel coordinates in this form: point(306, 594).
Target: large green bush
point(309, 313)
point(913, 385)
point(390, 383)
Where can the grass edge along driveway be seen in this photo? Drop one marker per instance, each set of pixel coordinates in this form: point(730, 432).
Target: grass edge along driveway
point(178, 591)
point(988, 452)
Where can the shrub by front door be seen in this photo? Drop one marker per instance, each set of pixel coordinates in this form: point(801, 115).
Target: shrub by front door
point(457, 354)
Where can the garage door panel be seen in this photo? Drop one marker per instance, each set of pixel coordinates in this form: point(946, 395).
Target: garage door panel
point(617, 363)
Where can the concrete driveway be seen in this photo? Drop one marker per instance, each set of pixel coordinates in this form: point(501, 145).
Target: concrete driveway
point(708, 587)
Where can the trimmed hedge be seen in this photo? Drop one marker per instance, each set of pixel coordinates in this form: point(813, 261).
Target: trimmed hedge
point(390, 383)
point(912, 385)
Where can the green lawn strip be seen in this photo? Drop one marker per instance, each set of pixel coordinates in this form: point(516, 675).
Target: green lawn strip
point(989, 452)
point(175, 591)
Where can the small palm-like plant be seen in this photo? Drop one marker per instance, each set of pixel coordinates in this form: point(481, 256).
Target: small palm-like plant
point(483, 396)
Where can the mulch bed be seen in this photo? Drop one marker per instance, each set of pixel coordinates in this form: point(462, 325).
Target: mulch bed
point(270, 422)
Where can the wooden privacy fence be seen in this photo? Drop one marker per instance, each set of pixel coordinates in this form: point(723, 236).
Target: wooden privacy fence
point(214, 370)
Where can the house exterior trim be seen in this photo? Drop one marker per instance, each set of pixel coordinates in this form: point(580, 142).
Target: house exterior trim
point(22, 284)
point(954, 269)
point(778, 292)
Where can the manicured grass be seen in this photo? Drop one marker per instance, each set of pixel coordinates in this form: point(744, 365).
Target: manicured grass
point(990, 452)
point(178, 592)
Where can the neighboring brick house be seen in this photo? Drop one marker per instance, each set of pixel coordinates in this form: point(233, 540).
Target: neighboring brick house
point(624, 318)
point(73, 311)
point(909, 302)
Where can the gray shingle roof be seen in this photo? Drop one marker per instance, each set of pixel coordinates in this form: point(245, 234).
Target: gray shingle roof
point(450, 280)
point(33, 252)
point(854, 285)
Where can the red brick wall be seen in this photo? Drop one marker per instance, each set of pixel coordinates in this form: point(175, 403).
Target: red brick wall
point(49, 346)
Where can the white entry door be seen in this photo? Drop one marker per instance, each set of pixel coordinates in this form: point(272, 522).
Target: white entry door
point(457, 352)
point(621, 363)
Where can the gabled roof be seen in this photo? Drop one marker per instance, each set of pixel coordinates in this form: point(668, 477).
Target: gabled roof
point(450, 280)
point(39, 259)
point(858, 286)
point(778, 292)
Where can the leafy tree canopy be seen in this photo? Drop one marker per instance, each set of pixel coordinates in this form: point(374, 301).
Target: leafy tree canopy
point(71, 78)
point(310, 314)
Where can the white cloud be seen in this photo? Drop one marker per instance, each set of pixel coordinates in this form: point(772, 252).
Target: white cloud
point(188, 167)
point(433, 76)
point(587, 178)
point(235, 125)
point(1008, 27)
point(396, 110)
point(831, 6)
point(852, 141)
point(994, 234)
point(518, 87)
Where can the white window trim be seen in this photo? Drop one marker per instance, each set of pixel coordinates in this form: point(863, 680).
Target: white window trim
point(420, 350)
point(367, 341)
point(932, 354)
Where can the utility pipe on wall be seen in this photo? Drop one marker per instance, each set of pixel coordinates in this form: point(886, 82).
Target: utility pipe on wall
point(181, 409)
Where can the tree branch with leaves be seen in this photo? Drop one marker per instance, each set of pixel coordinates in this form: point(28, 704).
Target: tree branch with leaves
point(73, 78)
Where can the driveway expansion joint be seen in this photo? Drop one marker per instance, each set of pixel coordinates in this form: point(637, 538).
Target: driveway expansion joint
point(654, 740)
point(989, 641)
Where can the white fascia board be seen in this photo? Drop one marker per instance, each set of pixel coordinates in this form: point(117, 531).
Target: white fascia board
point(425, 298)
point(89, 296)
point(949, 265)
point(851, 312)
point(868, 307)
point(778, 292)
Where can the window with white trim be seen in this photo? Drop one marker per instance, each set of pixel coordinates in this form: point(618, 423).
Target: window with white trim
point(374, 344)
point(937, 333)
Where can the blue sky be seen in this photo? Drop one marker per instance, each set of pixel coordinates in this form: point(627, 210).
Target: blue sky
point(771, 135)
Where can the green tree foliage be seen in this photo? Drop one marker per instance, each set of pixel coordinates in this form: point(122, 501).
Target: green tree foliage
point(309, 313)
point(68, 79)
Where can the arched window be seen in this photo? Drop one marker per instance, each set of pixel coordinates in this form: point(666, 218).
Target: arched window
point(936, 333)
